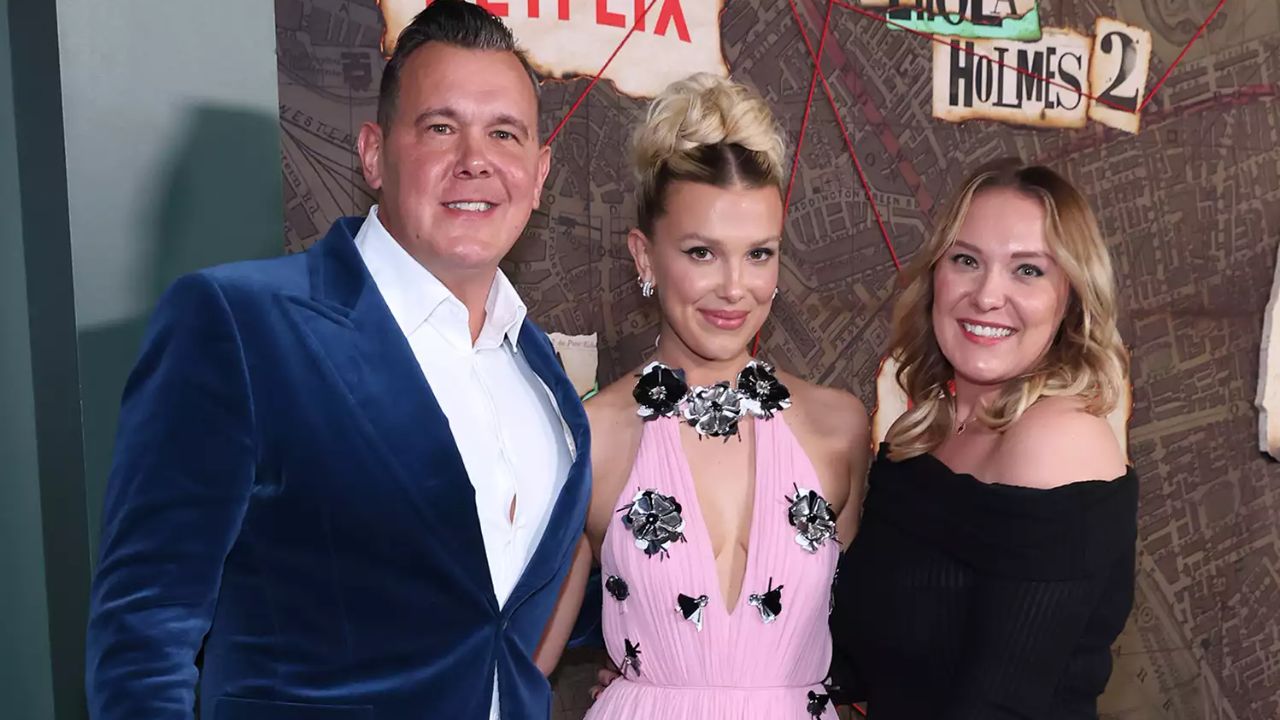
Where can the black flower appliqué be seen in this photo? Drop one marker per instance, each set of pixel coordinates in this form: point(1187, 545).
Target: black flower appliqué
point(811, 515)
point(655, 521)
point(659, 391)
point(715, 410)
point(763, 394)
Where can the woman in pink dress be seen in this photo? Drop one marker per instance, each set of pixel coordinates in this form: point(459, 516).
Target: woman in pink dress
point(723, 489)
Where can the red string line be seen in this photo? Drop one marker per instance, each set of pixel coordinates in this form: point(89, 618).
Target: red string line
point(808, 105)
point(1178, 59)
point(639, 19)
point(862, 176)
point(804, 123)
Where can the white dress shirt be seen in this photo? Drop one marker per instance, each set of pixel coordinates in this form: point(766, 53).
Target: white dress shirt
point(514, 444)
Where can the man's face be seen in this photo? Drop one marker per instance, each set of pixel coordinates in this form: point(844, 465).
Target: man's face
point(460, 167)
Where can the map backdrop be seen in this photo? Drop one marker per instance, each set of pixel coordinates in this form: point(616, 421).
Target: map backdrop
point(1190, 205)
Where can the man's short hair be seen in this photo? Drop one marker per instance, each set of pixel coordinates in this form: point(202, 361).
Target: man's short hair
point(454, 22)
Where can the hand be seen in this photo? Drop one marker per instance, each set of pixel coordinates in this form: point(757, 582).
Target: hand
point(604, 676)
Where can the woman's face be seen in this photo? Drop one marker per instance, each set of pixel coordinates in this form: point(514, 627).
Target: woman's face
point(999, 295)
point(713, 259)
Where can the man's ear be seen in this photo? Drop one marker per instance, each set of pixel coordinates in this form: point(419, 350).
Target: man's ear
point(370, 147)
point(544, 167)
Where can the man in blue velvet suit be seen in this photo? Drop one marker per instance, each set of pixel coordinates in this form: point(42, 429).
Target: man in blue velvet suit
point(355, 477)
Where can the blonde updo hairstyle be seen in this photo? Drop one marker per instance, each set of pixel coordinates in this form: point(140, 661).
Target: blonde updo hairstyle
point(705, 129)
point(1086, 359)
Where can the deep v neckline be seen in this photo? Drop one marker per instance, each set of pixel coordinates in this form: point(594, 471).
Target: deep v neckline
point(695, 503)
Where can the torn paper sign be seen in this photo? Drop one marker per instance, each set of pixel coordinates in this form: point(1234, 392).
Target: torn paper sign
point(579, 356)
point(574, 38)
point(1043, 83)
point(1268, 398)
point(1118, 73)
point(1026, 27)
point(976, 11)
point(1008, 19)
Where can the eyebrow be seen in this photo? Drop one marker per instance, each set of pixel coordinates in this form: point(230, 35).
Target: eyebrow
point(513, 121)
point(713, 241)
point(444, 112)
point(1033, 254)
point(449, 113)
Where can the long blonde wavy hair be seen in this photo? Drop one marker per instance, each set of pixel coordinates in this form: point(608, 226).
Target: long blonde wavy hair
point(706, 129)
point(1087, 358)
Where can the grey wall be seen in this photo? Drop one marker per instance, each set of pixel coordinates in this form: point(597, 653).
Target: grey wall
point(173, 164)
point(138, 141)
point(26, 684)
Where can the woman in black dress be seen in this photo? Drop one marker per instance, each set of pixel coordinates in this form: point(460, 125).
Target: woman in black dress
point(994, 565)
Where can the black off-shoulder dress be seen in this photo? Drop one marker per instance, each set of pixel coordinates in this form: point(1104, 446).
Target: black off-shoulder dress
point(962, 600)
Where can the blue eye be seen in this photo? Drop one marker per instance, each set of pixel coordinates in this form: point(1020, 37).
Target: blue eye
point(1030, 271)
point(439, 129)
point(964, 259)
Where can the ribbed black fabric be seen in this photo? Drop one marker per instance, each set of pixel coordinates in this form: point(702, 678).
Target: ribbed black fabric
point(961, 600)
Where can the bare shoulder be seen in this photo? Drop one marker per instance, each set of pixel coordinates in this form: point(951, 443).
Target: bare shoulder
point(1058, 442)
point(612, 405)
point(826, 411)
point(615, 427)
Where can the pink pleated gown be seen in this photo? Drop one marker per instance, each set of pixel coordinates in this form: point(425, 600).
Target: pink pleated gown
point(737, 665)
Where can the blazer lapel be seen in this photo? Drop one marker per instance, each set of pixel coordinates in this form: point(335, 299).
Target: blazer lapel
point(350, 326)
point(568, 513)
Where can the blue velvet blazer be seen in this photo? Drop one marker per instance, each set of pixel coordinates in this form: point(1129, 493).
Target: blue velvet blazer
point(287, 502)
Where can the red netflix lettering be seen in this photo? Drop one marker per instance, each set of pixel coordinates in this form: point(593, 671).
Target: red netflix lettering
point(605, 17)
point(562, 9)
point(672, 12)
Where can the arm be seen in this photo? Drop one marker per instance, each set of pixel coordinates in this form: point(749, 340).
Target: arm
point(569, 605)
point(177, 493)
point(565, 614)
point(612, 450)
